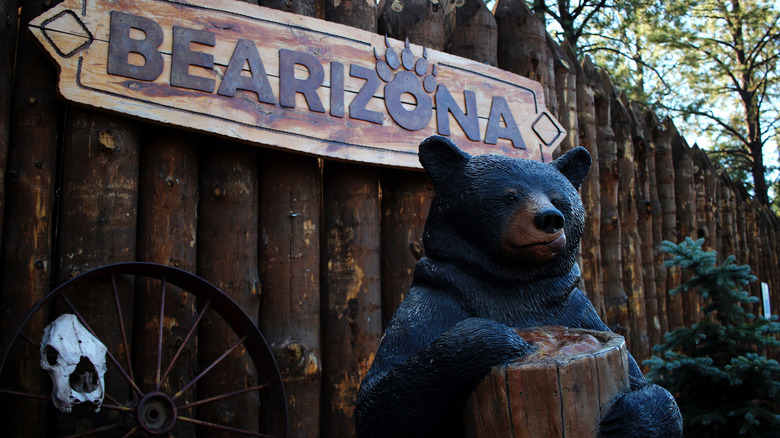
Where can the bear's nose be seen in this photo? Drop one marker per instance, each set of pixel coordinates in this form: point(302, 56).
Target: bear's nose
point(549, 220)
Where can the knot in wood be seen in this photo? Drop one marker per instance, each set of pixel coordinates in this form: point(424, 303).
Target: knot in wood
point(397, 6)
point(417, 250)
point(218, 191)
point(108, 141)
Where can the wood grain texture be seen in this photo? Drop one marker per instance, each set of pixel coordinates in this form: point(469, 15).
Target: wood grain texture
point(290, 215)
point(560, 395)
point(295, 127)
point(29, 182)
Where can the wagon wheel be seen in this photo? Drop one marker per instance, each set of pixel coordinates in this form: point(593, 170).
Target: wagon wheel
point(151, 402)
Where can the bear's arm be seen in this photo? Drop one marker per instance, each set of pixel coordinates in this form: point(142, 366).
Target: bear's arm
point(427, 364)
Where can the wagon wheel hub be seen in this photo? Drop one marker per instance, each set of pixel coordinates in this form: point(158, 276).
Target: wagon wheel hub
point(156, 413)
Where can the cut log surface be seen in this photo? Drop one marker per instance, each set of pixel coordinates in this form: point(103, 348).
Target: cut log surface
point(561, 390)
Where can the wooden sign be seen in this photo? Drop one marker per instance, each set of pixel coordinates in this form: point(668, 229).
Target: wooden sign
point(287, 81)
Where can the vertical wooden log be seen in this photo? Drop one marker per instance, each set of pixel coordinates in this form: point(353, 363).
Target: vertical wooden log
point(227, 257)
point(769, 269)
point(421, 21)
point(352, 313)
point(566, 90)
point(651, 124)
point(98, 227)
point(310, 8)
point(753, 255)
point(702, 221)
point(615, 299)
point(522, 44)
point(644, 226)
point(590, 243)
point(664, 167)
point(685, 199)
point(290, 209)
point(9, 11)
point(475, 35)
point(726, 212)
point(355, 13)
point(167, 225)
point(633, 279)
point(28, 207)
point(406, 198)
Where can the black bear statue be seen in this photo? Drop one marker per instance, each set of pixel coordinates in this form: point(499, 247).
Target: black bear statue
point(501, 242)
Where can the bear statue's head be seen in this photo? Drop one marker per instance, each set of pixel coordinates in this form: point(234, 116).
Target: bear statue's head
point(517, 213)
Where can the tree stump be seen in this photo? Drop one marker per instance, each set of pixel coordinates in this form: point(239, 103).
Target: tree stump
point(561, 390)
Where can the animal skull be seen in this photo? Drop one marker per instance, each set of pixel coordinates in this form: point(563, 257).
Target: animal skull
point(76, 362)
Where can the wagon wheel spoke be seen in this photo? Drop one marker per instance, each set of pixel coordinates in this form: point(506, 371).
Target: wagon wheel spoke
point(213, 364)
point(121, 321)
point(225, 428)
point(96, 430)
point(222, 396)
point(157, 380)
point(186, 339)
point(108, 353)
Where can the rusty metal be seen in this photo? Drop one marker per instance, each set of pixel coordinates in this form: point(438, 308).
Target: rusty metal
point(417, 118)
point(120, 45)
point(156, 412)
point(336, 89)
point(246, 53)
point(468, 121)
point(289, 85)
point(357, 109)
point(182, 57)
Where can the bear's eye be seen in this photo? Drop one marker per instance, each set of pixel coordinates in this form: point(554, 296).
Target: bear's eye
point(511, 195)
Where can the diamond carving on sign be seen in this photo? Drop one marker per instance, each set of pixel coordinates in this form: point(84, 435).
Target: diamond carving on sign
point(546, 129)
point(66, 33)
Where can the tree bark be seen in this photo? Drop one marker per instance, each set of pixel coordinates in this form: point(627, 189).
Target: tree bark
point(475, 35)
point(29, 184)
point(290, 212)
point(591, 242)
point(420, 21)
point(167, 225)
point(227, 257)
point(351, 307)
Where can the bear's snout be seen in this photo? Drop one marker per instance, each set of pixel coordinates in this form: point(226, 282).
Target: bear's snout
point(549, 220)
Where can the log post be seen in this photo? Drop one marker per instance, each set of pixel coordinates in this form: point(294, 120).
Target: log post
point(98, 227)
point(167, 224)
point(664, 175)
point(591, 242)
point(423, 22)
point(633, 280)
point(644, 207)
point(561, 390)
point(290, 212)
point(651, 125)
point(227, 257)
point(351, 295)
point(475, 35)
point(615, 299)
point(356, 13)
point(406, 198)
point(9, 18)
point(30, 185)
point(685, 199)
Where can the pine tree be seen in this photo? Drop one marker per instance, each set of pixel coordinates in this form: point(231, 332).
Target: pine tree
point(716, 368)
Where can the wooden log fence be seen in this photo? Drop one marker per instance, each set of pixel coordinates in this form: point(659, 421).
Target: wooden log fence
point(319, 253)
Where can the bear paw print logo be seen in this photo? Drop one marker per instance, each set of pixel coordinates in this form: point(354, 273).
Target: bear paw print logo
point(413, 79)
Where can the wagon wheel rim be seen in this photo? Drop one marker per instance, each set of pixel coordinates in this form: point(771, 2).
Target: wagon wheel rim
point(156, 412)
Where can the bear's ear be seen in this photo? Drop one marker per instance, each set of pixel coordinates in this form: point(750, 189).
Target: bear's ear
point(440, 157)
point(574, 165)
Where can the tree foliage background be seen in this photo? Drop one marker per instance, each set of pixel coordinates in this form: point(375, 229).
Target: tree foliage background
point(710, 64)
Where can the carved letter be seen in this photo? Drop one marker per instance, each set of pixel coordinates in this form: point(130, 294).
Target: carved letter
point(120, 45)
point(407, 82)
point(357, 109)
point(183, 57)
point(336, 89)
point(246, 53)
point(446, 105)
point(289, 85)
point(499, 110)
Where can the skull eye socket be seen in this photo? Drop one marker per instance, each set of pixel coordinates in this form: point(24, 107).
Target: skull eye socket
point(51, 354)
point(84, 378)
